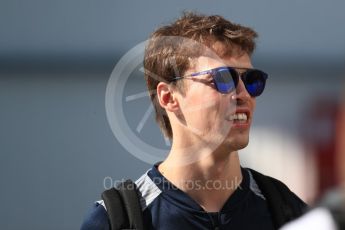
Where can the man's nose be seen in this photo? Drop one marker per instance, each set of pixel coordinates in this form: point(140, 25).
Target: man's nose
point(241, 91)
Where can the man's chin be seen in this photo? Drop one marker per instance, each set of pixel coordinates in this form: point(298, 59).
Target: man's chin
point(232, 142)
point(236, 145)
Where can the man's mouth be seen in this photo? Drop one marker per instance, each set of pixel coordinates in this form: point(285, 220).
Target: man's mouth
point(239, 117)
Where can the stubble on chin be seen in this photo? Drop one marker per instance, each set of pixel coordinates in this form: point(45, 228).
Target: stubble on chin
point(236, 143)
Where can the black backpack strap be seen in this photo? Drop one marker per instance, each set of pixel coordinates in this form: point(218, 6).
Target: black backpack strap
point(115, 208)
point(123, 206)
point(130, 196)
point(283, 204)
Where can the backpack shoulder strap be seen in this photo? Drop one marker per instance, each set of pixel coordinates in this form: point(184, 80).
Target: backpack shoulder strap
point(130, 195)
point(123, 206)
point(283, 204)
point(115, 208)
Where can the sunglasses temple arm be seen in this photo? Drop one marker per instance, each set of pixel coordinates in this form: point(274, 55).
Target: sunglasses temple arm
point(200, 73)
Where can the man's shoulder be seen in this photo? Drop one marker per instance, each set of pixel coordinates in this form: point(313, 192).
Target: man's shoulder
point(262, 178)
point(97, 218)
point(282, 202)
point(279, 196)
point(270, 185)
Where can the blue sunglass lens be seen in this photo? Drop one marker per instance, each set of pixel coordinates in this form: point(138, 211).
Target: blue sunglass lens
point(254, 81)
point(225, 81)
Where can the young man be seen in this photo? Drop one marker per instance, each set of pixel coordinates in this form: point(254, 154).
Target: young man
point(203, 87)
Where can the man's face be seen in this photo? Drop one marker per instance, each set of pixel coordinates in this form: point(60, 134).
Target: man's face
point(215, 118)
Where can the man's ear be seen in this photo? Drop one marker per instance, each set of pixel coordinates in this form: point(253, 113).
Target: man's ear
point(166, 97)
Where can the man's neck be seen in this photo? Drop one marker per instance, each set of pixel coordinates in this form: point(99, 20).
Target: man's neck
point(210, 180)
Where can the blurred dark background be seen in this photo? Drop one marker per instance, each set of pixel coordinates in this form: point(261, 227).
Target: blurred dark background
point(56, 58)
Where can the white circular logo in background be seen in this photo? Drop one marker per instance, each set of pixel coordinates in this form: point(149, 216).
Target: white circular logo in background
point(116, 101)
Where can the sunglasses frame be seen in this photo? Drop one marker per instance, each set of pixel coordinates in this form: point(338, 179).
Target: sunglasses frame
point(232, 71)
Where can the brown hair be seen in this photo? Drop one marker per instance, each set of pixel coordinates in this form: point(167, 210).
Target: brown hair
point(170, 49)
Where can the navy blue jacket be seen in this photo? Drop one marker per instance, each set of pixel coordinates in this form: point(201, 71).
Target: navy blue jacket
point(168, 208)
